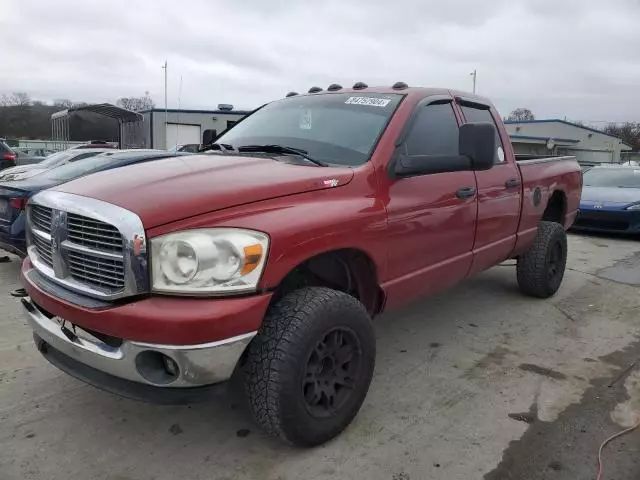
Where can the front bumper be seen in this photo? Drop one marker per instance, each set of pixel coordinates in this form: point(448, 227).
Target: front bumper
point(197, 365)
point(168, 345)
point(155, 319)
point(605, 220)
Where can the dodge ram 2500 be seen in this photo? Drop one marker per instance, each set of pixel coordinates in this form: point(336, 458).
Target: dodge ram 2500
point(268, 256)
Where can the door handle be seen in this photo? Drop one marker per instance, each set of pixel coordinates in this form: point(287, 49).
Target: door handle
point(466, 192)
point(512, 183)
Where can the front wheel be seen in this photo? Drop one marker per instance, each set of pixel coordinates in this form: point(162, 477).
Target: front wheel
point(310, 366)
point(541, 269)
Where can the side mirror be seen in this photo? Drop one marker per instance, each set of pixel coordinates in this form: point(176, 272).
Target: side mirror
point(478, 143)
point(208, 136)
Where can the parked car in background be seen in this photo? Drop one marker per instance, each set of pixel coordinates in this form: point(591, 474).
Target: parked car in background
point(7, 156)
point(55, 160)
point(610, 200)
point(270, 256)
point(35, 152)
point(15, 193)
point(24, 158)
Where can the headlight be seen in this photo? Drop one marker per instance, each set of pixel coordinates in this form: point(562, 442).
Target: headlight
point(208, 261)
point(635, 206)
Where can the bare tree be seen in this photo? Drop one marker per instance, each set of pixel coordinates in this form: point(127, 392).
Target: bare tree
point(628, 132)
point(136, 104)
point(521, 114)
point(16, 99)
point(21, 99)
point(63, 103)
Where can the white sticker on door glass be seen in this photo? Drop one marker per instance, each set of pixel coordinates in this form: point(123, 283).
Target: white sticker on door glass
point(501, 154)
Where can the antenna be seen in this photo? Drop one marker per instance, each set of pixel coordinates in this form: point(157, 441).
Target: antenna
point(179, 112)
point(166, 122)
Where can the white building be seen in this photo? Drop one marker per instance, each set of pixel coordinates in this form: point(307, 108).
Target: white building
point(559, 137)
point(184, 126)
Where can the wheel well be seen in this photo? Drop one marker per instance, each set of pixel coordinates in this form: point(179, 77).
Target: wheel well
point(348, 270)
point(556, 208)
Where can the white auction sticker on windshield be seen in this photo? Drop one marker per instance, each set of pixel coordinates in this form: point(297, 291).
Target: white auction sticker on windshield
point(305, 120)
point(368, 101)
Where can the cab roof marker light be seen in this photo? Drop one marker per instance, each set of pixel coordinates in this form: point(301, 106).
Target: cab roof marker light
point(400, 86)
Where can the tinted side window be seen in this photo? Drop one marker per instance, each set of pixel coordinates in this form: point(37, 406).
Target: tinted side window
point(434, 132)
point(473, 115)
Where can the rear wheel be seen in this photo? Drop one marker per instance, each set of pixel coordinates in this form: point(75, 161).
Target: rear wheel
point(541, 269)
point(310, 366)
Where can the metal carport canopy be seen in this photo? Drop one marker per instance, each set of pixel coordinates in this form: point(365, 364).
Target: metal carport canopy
point(106, 109)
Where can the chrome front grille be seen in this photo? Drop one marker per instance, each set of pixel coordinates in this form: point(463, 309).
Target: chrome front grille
point(93, 233)
point(43, 247)
point(41, 218)
point(87, 245)
point(102, 273)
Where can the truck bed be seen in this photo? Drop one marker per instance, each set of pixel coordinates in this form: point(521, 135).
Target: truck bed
point(543, 177)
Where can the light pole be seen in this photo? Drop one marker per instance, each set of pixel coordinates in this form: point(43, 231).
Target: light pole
point(166, 119)
point(474, 74)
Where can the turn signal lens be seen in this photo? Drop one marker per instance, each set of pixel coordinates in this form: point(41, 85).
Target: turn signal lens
point(252, 257)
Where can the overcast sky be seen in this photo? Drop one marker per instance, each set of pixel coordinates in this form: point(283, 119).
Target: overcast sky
point(573, 58)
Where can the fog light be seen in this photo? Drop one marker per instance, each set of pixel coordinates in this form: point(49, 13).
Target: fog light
point(170, 366)
point(157, 368)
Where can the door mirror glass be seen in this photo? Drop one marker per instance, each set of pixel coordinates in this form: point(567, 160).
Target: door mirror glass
point(478, 143)
point(208, 136)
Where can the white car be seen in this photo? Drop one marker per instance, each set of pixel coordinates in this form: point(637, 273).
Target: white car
point(54, 160)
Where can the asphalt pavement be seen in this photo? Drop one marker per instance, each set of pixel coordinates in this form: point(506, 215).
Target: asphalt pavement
point(479, 382)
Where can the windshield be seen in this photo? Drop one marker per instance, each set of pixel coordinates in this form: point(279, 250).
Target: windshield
point(69, 171)
point(338, 128)
point(612, 177)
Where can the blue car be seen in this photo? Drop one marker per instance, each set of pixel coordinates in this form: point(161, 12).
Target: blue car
point(610, 200)
point(15, 193)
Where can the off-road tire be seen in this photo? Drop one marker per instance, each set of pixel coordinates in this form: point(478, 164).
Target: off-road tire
point(535, 275)
point(279, 355)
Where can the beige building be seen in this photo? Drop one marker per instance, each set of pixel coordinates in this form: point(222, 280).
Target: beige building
point(559, 137)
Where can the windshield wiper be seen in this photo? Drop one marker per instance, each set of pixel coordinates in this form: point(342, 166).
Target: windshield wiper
point(223, 147)
point(283, 150)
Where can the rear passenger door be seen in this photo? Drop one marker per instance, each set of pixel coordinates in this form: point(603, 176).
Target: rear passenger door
point(499, 195)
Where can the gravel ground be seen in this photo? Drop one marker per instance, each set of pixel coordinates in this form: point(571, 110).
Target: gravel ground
point(478, 382)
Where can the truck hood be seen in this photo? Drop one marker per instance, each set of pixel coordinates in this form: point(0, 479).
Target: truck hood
point(175, 188)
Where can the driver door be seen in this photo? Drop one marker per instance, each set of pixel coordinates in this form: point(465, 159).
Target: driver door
point(431, 218)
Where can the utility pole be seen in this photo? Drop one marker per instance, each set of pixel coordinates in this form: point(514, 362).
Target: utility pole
point(166, 118)
point(474, 74)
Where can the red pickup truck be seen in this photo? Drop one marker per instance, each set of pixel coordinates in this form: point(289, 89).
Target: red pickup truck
point(269, 255)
